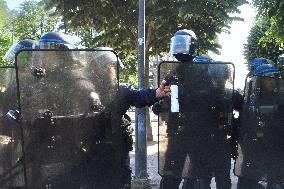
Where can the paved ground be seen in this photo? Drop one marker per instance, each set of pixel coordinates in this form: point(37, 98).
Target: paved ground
point(152, 159)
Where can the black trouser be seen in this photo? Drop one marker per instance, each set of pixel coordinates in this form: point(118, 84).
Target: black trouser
point(170, 183)
point(244, 183)
point(173, 183)
point(126, 172)
point(222, 182)
point(201, 183)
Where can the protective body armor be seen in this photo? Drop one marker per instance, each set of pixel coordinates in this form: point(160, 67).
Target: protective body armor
point(261, 144)
point(193, 142)
point(71, 137)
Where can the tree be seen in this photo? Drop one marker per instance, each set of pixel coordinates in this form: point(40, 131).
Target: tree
point(5, 43)
point(3, 10)
point(32, 20)
point(116, 21)
point(5, 36)
point(272, 11)
point(256, 47)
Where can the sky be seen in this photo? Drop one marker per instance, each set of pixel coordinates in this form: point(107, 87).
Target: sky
point(14, 3)
point(232, 44)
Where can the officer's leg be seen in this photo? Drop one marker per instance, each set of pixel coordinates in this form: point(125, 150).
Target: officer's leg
point(170, 183)
point(126, 172)
point(223, 182)
point(244, 183)
point(174, 162)
point(200, 183)
point(188, 183)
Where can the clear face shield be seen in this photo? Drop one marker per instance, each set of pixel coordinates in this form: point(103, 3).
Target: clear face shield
point(280, 60)
point(180, 44)
point(10, 54)
point(55, 45)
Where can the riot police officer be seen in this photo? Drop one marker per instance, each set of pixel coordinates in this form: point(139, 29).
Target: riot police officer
point(260, 146)
point(11, 152)
point(127, 96)
point(197, 145)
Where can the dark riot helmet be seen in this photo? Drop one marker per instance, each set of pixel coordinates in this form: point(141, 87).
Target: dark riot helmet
point(184, 45)
point(15, 48)
point(56, 40)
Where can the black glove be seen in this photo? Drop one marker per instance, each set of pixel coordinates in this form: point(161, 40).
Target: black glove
point(163, 105)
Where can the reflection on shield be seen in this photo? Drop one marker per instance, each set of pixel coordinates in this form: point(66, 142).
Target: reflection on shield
point(11, 167)
point(261, 144)
point(193, 141)
point(68, 115)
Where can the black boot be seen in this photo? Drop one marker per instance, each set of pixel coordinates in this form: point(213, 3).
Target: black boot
point(223, 182)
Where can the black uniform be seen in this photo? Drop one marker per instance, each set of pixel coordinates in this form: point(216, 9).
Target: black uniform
point(260, 147)
point(103, 176)
point(197, 145)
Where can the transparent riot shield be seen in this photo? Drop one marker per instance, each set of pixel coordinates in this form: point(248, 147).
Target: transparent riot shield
point(261, 144)
point(69, 116)
point(11, 166)
point(195, 122)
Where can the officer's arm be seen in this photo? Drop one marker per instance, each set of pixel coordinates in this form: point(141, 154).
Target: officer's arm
point(147, 97)
point(142, 98)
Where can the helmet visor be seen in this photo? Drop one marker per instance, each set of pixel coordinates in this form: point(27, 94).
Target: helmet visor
point(180, 44)
point(280, 60)
point(10, 54)
point(54, 45)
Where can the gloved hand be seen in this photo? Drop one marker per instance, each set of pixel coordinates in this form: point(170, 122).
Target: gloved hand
point(164, 90)
point(160, 107)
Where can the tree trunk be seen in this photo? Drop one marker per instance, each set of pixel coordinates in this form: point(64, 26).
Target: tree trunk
point(148, 121)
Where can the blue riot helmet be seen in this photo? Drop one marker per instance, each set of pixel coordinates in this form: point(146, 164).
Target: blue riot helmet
point(257, 62)
point(56, 40)
point(266, 70)
point(204, 58)
point(24, 44)
point(184, 45)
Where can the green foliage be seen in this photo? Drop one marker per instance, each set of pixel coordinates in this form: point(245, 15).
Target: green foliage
point(116, 22)
point(129, 73)
point(272, 11)
point(5, 43)
point(32, 20)
point(256, 47)
point(5, 35)
point(3, 10)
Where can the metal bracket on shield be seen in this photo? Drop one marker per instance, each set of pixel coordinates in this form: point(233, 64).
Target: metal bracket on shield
point(39, 72)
